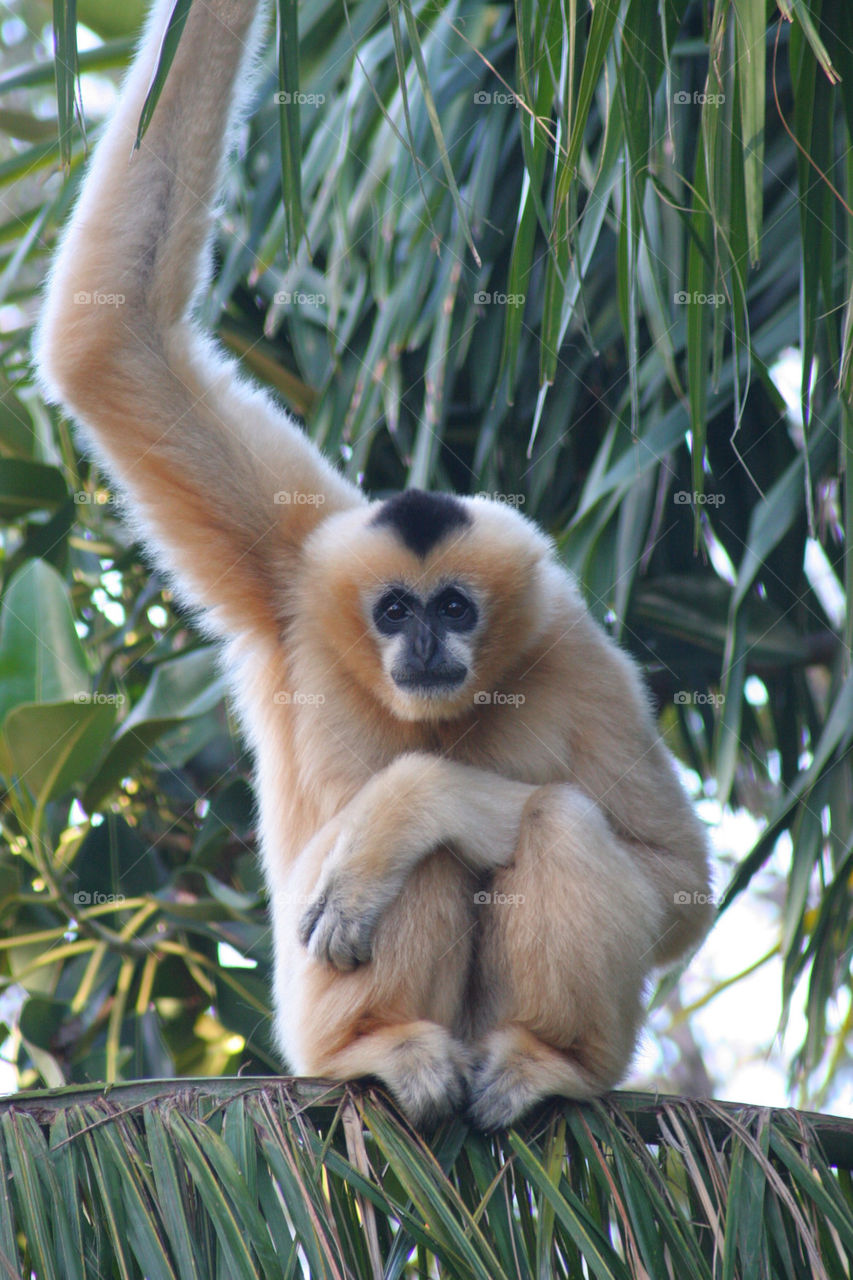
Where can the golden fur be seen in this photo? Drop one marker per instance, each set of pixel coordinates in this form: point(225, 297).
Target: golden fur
point(384, 817)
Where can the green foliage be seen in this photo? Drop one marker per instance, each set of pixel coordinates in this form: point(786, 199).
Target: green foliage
point(280, 1178)
point(658, 199)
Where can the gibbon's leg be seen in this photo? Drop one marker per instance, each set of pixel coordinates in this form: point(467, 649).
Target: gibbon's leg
point(383, 889)
point(202, 455)
point(398, 1017)
point(566, 942)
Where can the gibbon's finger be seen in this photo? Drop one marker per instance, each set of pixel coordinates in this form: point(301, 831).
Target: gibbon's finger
point(336, 936)
point(310, 919)
point(340, 925)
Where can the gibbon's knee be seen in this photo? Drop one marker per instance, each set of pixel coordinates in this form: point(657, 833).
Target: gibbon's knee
point(567, 936)
point(420, 969)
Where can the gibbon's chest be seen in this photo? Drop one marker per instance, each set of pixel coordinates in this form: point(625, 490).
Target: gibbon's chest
point(520, 736)
point(523, 740)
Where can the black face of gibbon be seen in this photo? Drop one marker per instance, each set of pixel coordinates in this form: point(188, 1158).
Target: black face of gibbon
point(424, 631)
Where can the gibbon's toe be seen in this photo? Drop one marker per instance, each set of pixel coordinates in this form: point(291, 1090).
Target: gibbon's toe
point(333, 933)
point(512, 1070)
point(426, 1074)
point(498, 1095)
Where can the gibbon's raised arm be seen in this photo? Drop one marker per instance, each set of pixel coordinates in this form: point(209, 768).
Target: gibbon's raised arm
point(201, 454)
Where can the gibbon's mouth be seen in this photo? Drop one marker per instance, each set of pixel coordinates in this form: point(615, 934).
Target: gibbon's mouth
point(430, 683)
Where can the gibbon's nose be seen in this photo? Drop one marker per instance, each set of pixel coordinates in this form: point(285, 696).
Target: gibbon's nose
point(424, 642)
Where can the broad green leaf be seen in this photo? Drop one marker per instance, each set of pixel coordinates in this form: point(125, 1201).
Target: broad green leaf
point(113, 857)
point(51, 747)
point(29, 486)
point(181, 689)
point(109, 19)
point(41, 657)
point(28, 128)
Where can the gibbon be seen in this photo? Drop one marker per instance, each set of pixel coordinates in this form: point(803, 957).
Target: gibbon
point(475, 842)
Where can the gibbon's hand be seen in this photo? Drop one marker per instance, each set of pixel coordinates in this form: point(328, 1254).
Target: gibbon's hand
point(339, 925)
point(365, 854)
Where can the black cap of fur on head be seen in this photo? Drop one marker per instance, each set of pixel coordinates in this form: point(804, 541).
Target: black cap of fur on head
point(421, 520)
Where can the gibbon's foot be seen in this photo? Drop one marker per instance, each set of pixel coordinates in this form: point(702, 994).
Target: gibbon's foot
point(512, 1070)
point(336, 930)
point(426, 1072)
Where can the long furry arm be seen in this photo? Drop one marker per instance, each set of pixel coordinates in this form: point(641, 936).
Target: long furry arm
point(358, 863)
point(201, 454)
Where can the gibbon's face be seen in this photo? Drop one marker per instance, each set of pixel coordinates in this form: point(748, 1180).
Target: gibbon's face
point(427, 600)
point(425, 638)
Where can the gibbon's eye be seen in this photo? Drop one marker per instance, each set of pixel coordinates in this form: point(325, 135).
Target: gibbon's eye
point(392, 610)
point(456, 608)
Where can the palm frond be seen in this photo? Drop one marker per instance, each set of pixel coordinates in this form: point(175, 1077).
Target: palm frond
point(272, 1178)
